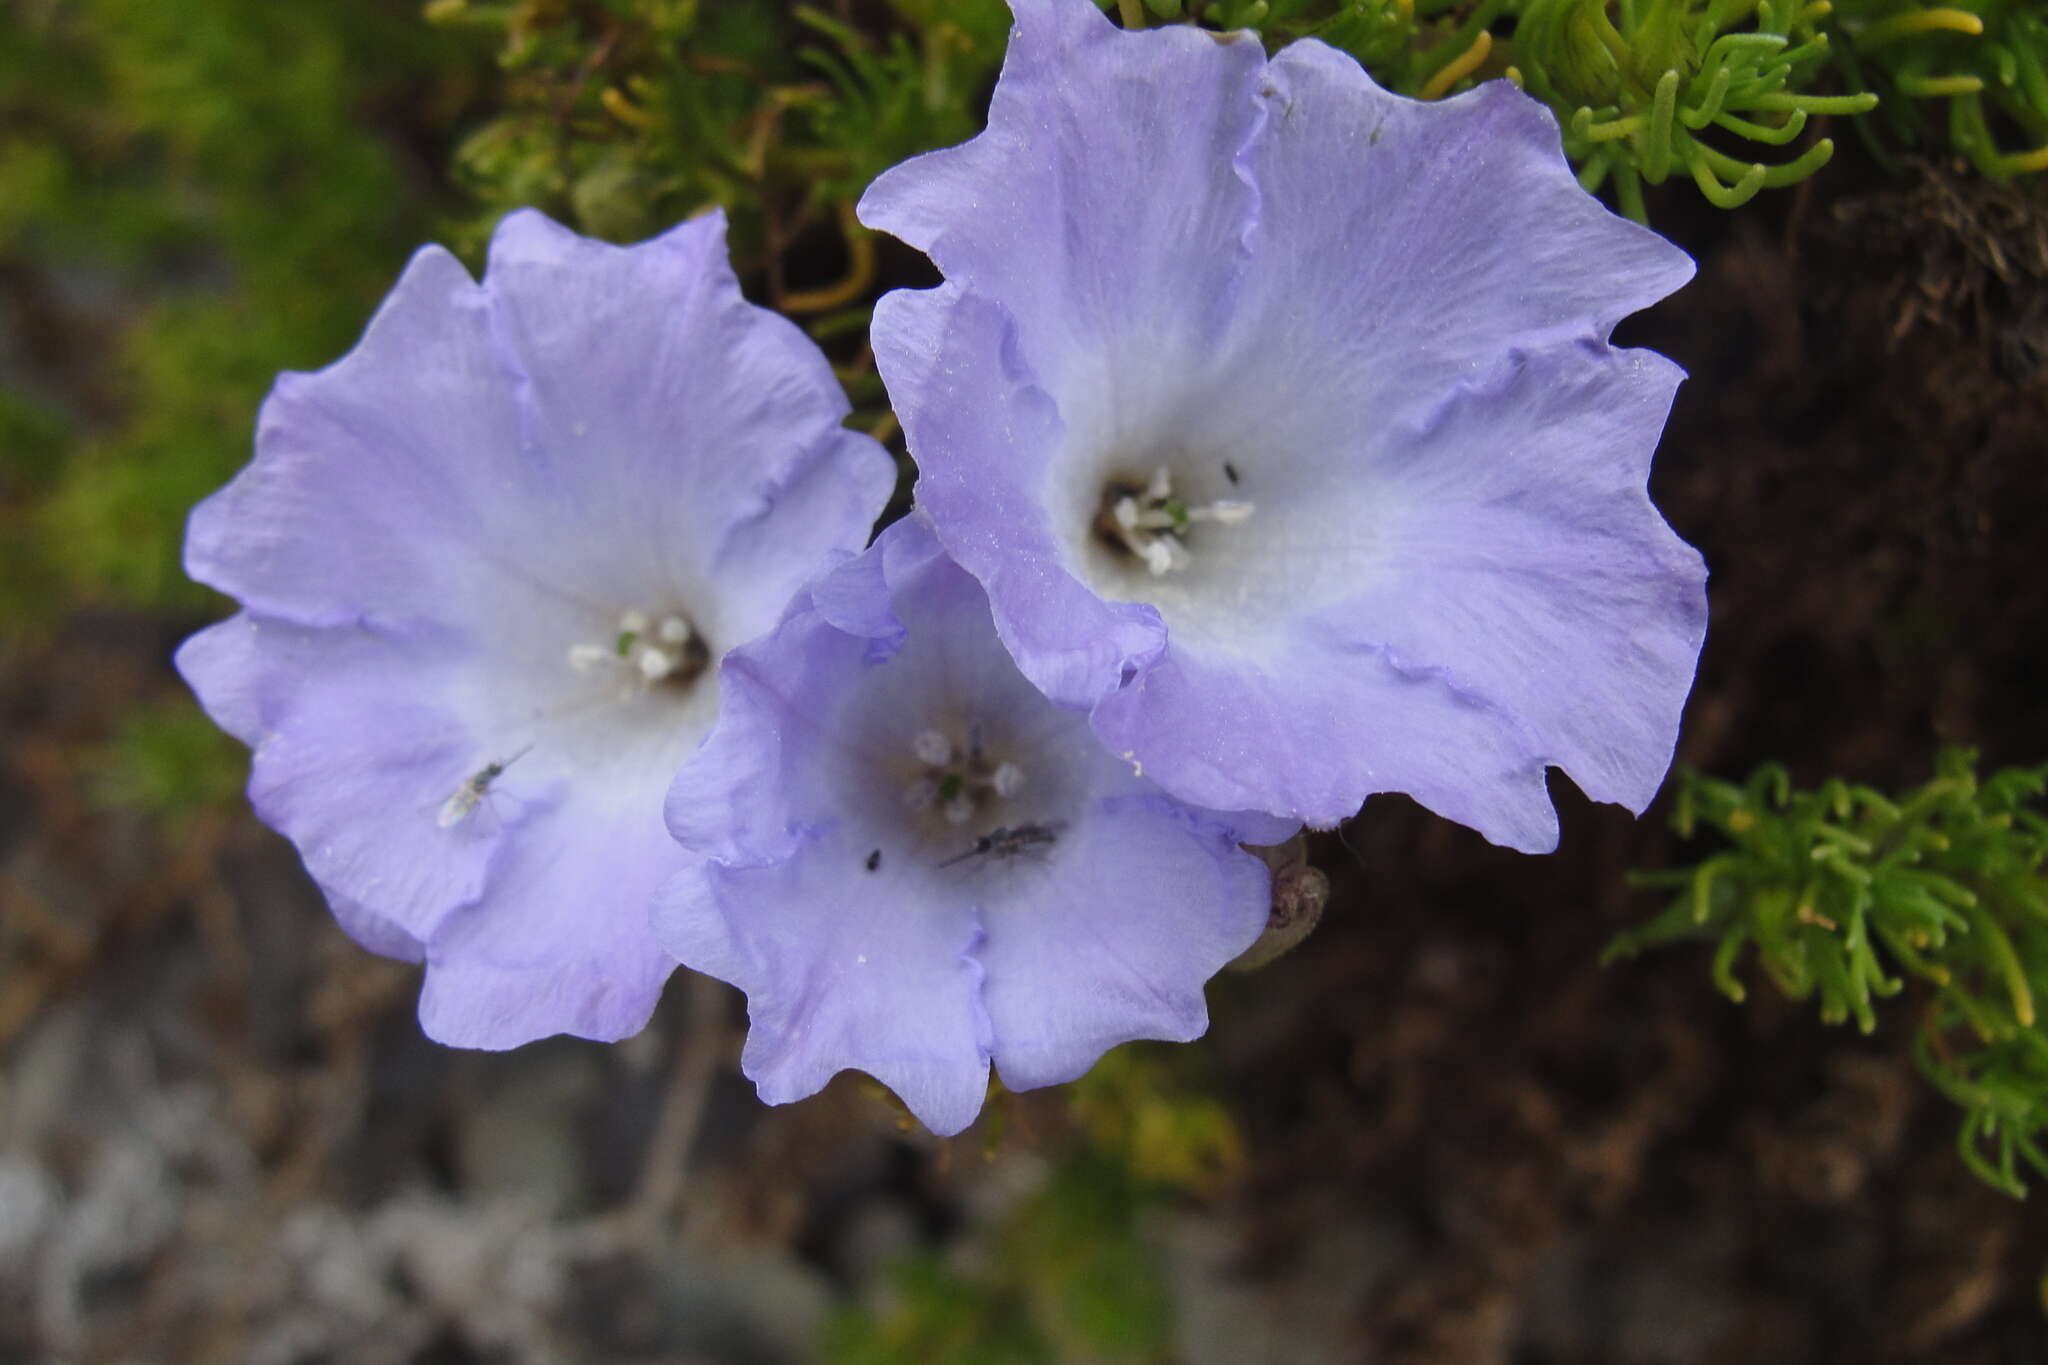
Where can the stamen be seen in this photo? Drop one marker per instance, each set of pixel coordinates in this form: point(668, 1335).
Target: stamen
point(1152, 525)
point(672, 652)
point(962, 782)
point(1224, 511)
point(655, 664)
point(932, 748)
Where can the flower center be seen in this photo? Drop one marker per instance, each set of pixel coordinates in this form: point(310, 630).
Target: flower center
point(647, 651)
point(961, 782)
point(1150, 524)
point(965, 799)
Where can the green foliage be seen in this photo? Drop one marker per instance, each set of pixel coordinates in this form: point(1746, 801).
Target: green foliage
point(194, 196)
point(625, 116)
point(1143, 1107)
point(1982, 62)
point(1844, 895)
point(1646, 90)
point(1070, 1274)
point(1069, 1278)
point(168, 759)
point(1649, 95)
point(941, 1316)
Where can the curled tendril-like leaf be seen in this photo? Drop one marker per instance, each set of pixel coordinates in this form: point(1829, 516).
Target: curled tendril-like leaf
point(1845, 896)
point(1988, 59)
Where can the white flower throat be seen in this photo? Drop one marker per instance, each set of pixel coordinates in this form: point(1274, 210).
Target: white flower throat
point(648, 655)
point(1153, 525)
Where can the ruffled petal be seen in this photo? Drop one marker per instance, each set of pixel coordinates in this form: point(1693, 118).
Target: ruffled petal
point(842, 969)
point(628, 356)
point(1313, 733)
point(747, 794)
point(1523, 605)
point(1083, 115)
point(986, 436)
point(563, 944)
point(1521, 558)
point(381, 485)
point(359, 797)
point(1406, 246)
point(1145, 902)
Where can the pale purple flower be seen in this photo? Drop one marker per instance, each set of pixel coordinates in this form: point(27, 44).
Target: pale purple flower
point(914, 864)
point(486, 562)
point(1277, 416)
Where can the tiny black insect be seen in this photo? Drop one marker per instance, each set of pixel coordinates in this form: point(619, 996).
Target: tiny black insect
point(1230, 473)
point(874, 860)
point(1004, 842)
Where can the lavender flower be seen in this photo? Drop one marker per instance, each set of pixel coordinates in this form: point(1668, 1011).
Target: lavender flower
point(486, 562)
point(916, 864)
point(1277, 417)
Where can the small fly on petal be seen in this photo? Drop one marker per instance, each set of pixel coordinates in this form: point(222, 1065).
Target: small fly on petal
point(473, 790)
point(1005, 842)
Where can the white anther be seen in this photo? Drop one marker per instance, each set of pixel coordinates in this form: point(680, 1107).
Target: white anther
point(920, 794)
point(1008, 780)
point(1126, 513)
point(1161, 487)
point(654, 664)
point(1158, 555)
point(959, 810)
point(632, 622)
point(673, 630)
point(583, 658)
point(1226, 511)
point(932, 748)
